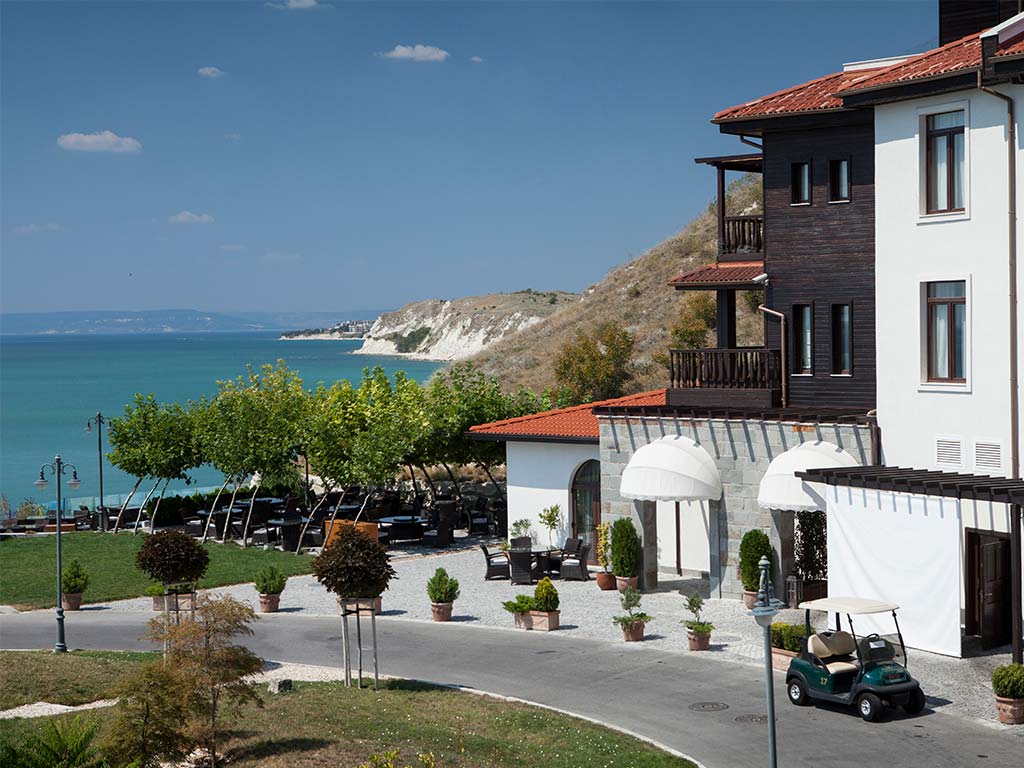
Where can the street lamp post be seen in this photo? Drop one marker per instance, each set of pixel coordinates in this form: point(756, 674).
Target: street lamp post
point(98, 421)
point(766, 609)
point(58, 469)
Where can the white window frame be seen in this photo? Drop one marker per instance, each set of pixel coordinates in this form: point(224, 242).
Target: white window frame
point(922, 334)
point(923, 113)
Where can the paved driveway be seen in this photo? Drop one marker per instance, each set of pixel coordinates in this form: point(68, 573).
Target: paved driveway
point(639, 688)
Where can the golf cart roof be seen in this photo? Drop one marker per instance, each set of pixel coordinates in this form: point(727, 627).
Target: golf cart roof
point(854, 605)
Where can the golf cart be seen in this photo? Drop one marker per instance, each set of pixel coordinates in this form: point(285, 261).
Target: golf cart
point(838, 667)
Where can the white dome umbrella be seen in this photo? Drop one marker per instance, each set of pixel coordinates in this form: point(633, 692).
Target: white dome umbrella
point(782, 489)
point(672, 468)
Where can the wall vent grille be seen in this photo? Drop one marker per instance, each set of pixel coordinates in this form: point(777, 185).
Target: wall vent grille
point(988, 456)
point(949, 452)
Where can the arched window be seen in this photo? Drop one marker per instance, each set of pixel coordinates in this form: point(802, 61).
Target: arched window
point(586, 504)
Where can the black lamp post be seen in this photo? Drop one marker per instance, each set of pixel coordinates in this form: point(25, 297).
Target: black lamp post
point(58, 469)
point(99, 421)
point(765, 610)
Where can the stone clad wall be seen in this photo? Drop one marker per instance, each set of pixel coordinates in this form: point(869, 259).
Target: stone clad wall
point(742, 451)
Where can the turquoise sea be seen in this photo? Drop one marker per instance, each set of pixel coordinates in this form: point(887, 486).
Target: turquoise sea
point(51, 385)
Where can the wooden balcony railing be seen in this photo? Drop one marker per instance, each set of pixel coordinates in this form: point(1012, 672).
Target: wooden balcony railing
point(750, 368)
point(742, 234)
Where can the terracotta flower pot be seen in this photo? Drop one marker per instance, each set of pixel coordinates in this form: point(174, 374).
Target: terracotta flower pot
point(605, 580)
point(698, 641)
point(622, 583)
point(1011, 711)
point(71, 601)
point(269, 603)
point(634, 633)
point(441, 611)
point(749, 599)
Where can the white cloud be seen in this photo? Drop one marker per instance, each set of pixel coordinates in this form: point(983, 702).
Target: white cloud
point(187, 217)
point(298, 5)
point(416, 52)
point(31, 229)
point(476, 59)
point(103, 141)
point(233, 136)
point(211, 72)
point(233, 247)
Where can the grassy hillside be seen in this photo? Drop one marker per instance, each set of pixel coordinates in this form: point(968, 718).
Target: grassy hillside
point(636, 295)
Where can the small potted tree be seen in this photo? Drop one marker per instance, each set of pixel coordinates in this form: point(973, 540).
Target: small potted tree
point(551, 518)
point(698, 631)
point(633, 621)
point(1008, 684)
point(270, 583)
point(177, 562)
point(753, 546)
point(605, 578)
point(443, 591)
point(519, 529)
point(354, 567)
point(538, 612)
point(625, 554)
point(74, 581)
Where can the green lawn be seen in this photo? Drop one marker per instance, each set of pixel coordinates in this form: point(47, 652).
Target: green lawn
point(28, 566)
point(321, 725)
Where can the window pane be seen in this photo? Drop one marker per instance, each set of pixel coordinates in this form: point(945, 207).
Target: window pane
point(841, 347)
point(844, 180)
point(959, 340)
point(958, 170)
point(801, 182)
point(938, 364)
point(938, 187)
point(948, 289)
point(804, 339)
point(946, 120)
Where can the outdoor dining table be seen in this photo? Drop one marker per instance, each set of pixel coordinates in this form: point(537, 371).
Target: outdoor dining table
point(348, 511)
point(540, 560)
point(405, 527)
point(220, 517)
point(290, 528)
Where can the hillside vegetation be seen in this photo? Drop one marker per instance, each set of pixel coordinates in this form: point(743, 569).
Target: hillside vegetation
point(635, 295)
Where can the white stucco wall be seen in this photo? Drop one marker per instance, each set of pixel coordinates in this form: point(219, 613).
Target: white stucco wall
point(539, 475)
point(694, 536)
point(912, 249)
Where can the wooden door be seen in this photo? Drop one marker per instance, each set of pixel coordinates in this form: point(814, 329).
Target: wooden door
point(994, 595)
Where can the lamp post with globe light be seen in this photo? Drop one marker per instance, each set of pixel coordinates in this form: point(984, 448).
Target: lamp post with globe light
point(58, 469)
point(102, 424)
point(765, 610)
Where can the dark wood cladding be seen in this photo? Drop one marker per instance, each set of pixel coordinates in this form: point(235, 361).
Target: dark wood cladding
point(959, 18)
point(823, 253)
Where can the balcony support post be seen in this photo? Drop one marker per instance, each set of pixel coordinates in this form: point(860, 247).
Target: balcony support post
point(721, 209)
point(725, 325)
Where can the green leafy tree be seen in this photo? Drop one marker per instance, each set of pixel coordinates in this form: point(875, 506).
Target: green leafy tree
point(596, 366)
point(696, 319)
point(150, 719)
point(130, 437)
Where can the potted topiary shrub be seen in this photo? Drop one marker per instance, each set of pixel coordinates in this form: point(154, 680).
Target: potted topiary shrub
point(625, 554)
point(605, 578)
point(538, 612)
point(270, 583)
point(354, 567)
point(810, 555)
point(698, 631)
point(442, 590)
point(1008, 684)
point(175, 560)
point(753, 546)
point(787, 642)
point(633, 621)
point(74, 581)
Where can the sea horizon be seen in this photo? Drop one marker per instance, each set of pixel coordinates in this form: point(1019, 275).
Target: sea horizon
point(51, 384)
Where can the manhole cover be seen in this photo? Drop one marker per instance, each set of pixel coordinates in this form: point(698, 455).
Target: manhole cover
point(708, 706)
point(752, 719)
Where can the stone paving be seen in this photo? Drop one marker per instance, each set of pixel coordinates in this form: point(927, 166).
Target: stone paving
point(956, 686)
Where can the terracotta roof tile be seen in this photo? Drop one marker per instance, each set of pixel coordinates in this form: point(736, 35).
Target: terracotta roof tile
point(722, 273)
point(564, 423)
point(813, 96)
point(961, 55)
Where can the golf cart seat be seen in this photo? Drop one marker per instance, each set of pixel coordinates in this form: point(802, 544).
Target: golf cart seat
point(835, 650)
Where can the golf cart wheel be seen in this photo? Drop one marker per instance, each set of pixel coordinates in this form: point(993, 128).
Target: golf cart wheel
point(916, 702)
point(797, 691)
point(870, 707)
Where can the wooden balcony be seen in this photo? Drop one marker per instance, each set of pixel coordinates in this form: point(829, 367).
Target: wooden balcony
point(744, 377)
point(741, 235)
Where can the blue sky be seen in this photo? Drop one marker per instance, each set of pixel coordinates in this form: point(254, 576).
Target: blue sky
point(244, 156)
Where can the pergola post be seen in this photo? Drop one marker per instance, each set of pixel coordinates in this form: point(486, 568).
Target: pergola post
point(1015, 584)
